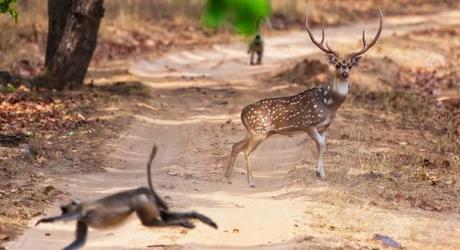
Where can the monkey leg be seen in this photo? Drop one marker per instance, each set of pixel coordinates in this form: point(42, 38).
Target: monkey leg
point(148, 214)
point(63, 217)
point(259, 57)
point(81, 232)
point(160, 223)
point(252, 58)
point(154, 197)
point(236, 149)
point(183, 216)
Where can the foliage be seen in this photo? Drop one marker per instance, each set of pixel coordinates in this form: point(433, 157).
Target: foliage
point(10, 88)
point(6, 7)
point(242, 14)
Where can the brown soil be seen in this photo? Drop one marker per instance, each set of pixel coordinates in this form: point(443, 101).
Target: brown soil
point(392, 158)
point(392, 168)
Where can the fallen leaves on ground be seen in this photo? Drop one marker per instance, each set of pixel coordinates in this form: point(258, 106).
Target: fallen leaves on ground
point(44, 134)
point(28, 112)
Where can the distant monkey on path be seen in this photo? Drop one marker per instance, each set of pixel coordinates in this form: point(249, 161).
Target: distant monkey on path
point(256, 45)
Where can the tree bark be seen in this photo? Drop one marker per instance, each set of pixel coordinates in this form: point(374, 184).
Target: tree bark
point(58, 11)
point(72, 39)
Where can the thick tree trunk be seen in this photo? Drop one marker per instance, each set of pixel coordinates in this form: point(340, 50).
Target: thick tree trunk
point(71, 44)
point(58, 11)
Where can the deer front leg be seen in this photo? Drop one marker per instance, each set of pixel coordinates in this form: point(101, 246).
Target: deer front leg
point(320, 140)
point(236, 149)
point(254, 141)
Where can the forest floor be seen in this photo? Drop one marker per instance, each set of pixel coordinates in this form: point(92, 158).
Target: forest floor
point(392, 159)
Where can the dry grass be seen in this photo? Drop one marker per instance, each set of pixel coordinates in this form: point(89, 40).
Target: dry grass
point(135, 26)
point(390, 164)
point(145, 10)
point(334, 12)
point(399, 145)
point(129, 28)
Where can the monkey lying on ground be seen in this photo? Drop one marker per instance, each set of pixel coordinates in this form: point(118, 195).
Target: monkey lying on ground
point(256, 46)
point(112, 210)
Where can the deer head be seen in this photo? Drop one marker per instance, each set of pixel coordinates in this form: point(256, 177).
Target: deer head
point(343, 65)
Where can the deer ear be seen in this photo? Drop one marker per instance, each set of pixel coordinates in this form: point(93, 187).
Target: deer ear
point(355, 60)
point(331, 58)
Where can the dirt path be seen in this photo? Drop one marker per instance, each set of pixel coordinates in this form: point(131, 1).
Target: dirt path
point(194, 120)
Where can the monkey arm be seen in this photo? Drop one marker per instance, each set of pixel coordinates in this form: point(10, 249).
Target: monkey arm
point(81, 232)
point(251, 47)
point(63, 217)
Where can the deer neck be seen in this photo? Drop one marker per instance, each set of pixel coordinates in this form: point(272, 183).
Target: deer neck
point(339, 89)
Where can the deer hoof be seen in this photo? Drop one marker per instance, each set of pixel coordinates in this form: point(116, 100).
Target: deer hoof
point(320, 174)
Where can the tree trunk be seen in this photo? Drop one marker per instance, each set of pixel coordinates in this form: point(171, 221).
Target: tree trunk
point(72, 39)
point(24, 5)
point(58, 11)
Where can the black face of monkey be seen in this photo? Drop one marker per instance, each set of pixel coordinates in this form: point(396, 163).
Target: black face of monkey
point(71, 206)
point(343, 66)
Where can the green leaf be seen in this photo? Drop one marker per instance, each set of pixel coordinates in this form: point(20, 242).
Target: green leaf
point(214, 13)
point(6, 7)
point(242, 14)
point(9, 87)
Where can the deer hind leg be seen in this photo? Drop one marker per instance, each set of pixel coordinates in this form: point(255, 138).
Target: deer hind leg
point(254, 141)
point(320, 140)
point(236, 149)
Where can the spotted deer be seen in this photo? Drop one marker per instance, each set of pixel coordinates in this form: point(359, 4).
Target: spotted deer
point(311, 111)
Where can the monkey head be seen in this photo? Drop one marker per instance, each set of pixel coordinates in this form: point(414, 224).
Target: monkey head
point(69, 207)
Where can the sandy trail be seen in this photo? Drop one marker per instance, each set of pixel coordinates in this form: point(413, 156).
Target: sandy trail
point(284, 211)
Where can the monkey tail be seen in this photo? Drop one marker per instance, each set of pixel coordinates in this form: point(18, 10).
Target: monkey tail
point(149, 166)
point(161, 202)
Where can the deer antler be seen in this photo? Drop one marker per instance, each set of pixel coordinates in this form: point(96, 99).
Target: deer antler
point(326, 49)
point(365, 46)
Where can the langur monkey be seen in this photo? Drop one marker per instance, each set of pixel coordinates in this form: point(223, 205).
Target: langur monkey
point(112, 210)
point(256, 45)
